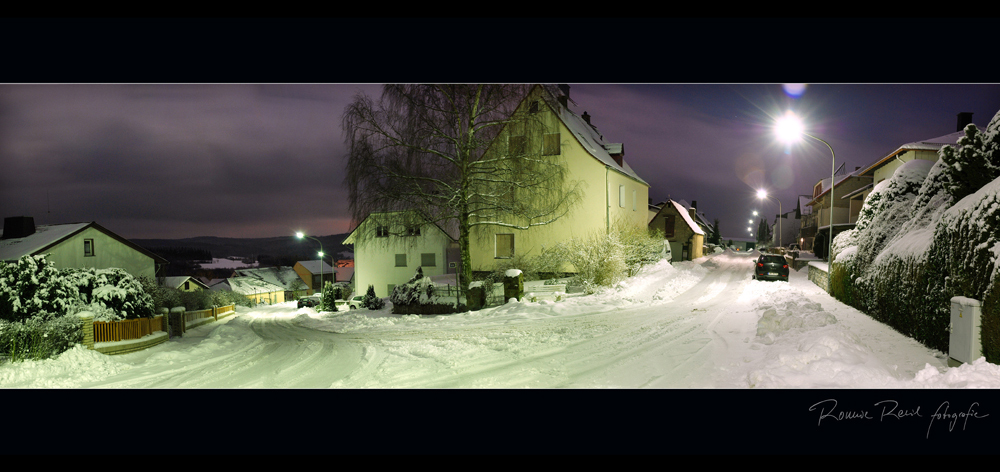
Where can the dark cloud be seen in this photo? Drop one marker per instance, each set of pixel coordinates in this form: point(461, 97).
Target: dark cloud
point(259, 160)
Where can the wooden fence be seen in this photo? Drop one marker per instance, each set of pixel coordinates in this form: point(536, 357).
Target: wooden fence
point(105, 331)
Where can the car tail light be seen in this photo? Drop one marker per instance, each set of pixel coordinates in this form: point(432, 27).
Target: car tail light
point(784, 266)
point(760, 264)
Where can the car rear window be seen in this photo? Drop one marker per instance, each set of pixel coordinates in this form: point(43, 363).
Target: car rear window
point(773, 259)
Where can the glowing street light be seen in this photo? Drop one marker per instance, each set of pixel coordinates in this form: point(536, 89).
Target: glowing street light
point(762, 194)
point(301, 235)
point(789, 128)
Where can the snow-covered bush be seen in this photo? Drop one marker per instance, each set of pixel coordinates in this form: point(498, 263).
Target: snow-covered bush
point(371, 301)
point(33, 287)
point(328, 301)
point(420, 296)
point(115, 289)
point(606, 258)
point(975, 162)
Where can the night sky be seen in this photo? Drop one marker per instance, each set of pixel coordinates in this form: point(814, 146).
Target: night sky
point(170, 128)
point(248, 160)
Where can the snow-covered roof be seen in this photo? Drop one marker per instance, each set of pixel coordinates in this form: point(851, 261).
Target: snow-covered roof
point(280, 276)
point(932, 144)
point(684, 214)
point(252, 285)
point(590, 139)
point(314, 267)
point(176, 282)
point(449, 228)
point(46, 236)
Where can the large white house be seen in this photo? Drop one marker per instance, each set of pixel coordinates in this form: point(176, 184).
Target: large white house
point(393, 255)
point(610, 193)
point(76, 246)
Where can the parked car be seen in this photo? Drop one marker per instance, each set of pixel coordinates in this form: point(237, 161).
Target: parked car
point(310, 301)
point(355, 302)
point(770, 267)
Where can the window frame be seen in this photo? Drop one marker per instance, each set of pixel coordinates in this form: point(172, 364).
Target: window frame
point(88, 243)
point(496, 246)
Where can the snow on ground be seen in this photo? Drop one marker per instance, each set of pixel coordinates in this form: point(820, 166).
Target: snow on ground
point(696, 324)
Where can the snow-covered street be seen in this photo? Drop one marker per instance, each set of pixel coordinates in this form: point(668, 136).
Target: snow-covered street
point(700, 324)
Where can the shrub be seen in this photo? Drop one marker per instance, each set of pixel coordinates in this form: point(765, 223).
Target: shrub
point(38, 338)
point(34, 287)
point(604, 259)
point(114, 289)
point(372, 302)
point(328, 301)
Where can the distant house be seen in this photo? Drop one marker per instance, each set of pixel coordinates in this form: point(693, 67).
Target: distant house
point(76, 246)
point(392, 257)
point(257, 290)
point(926, 149)
point(285, 277)
point(184, 283)
point(314, 273)
point(686, 238)
point(845, 186)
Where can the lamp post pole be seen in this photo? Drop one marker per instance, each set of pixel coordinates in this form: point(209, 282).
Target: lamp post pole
point(763, 194)
point(301, 235)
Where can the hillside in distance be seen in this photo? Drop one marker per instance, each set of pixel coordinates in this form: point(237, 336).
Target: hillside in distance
point(282, 247)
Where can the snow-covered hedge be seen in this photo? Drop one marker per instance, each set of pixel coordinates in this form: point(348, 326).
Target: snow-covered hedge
point(113, 288)
point(924, 236)
point(37, 338)
point(419, 296)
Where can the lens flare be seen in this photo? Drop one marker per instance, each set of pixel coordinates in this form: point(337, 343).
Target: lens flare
point(794, 90)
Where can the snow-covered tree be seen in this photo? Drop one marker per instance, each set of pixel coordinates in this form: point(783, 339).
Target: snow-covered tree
point(372, 301)
point(34, 287)
point(976, 161)
point(468, 154)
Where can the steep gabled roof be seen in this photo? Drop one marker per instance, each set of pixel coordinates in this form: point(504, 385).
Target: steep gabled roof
point(176, 282)
point(685, 215)
point(590, 138)
point(453, 234)
point(47, 236)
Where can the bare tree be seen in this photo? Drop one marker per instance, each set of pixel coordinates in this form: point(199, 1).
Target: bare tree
point(457, 155)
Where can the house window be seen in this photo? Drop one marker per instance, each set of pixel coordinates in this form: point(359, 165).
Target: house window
point(533, 107)
point(382, 231)
point(428, 260)
point(505, 246)
point(516, 145)
point(551, 144)
point(187, 285)
point(621, 196)
point(400, 260)
point(88, 247)
point(413, 231)
point(668, 226)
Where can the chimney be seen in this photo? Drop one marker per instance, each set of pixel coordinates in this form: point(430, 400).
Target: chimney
point(964, 118)
point(18, 227)
point(564, 98)
point(694, 209)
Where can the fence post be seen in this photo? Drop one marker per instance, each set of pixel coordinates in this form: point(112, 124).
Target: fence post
point(88, 330)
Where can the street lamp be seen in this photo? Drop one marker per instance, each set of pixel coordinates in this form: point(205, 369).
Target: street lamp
point(789, 129)
point(301, 235)
point(762, 194)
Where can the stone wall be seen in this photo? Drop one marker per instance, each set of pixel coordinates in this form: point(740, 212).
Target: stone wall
point(819, 275)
